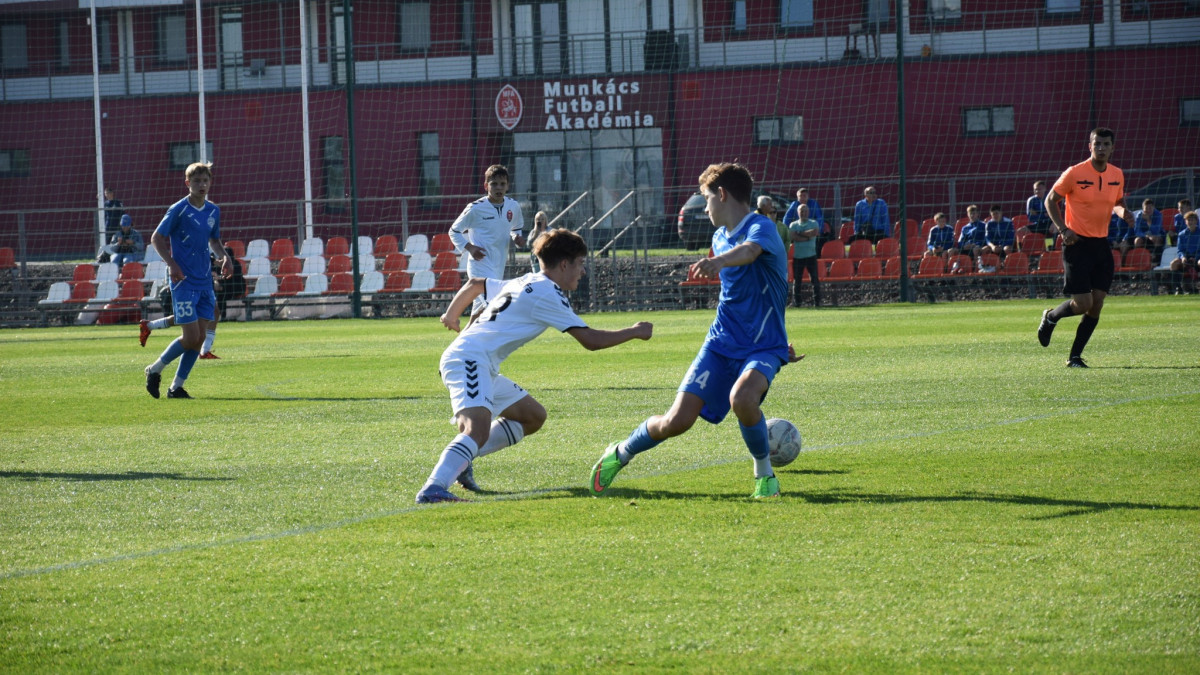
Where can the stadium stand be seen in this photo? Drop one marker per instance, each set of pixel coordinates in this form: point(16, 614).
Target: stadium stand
point(870, 269)
point(931, 268)
point(311, 247)
point(282, 248)
point(386, 245)
point(239, 248)
point(131, 270)
point(257, 267)
point(365, 245)
point(886, 247)
point(60, 292)
point(859, 249)
point(340, 284)
point(372, 282)
point(337, 246)
point(8, 259)
point(289, 285)
point(419, 261)
point(315, 284)
point(447, 281)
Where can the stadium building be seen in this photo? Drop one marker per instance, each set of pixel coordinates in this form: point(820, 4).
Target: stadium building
point(598, 98)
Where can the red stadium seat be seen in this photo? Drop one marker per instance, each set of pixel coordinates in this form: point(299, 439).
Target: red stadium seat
point(440, 244)
point(839, 270)
point(927, 225)
point(338, 264)
point(386, 245)
point(1015, 265)
point(82, 291)
point(281, 248)
point(959, 264)
point(1020, 220)
point(693, 280)
point(446, 260)
point(1050, 263)
point(290, 265)
point(341, 283)
point(886, 247)
point(859, 249)
point(289, 285)
point(131, 290)
point(8, 259)
point(931, 267)
point(891, 268)
point(394, 262)
point(84, 272)
point(397, 282)
point(448, 281)
point(845, 232)
point(337, 246)
point(833, 250)
point(239, 248)
point(131, 270)
point(1033, 243)
point(870, 269)
point(1137, 260)
point(989, 262)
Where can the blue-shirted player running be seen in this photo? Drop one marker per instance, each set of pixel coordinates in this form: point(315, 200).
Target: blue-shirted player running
point(746, 344)
point(191, 228)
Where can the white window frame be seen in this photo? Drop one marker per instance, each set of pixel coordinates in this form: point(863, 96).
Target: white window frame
point(999, 120)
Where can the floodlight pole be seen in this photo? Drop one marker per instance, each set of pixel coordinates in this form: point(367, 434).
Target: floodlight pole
point(203, 149)
point(100, 220)
point(902, 165)
point(347, 25)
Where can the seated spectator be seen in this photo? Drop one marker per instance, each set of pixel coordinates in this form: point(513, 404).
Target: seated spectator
point(973, 238)
point(871, 217)
point(941, 238)
point(1185, 206)
point(126, 244)
point(1035, 209)
point(1184, 264)
point(1147, 228)
point(999, 232)
point(814, 211)
point(1120, 235)
point(232, 287)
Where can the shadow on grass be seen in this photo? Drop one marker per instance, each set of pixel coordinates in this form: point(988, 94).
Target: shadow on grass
point(1196, 367)
point(1074, 507)
point(313, 398)
point(88, 477)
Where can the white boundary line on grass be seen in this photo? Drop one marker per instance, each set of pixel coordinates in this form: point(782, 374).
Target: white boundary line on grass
point(312, 529)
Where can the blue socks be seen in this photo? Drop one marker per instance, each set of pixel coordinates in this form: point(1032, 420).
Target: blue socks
point(639, 441)
point(185, 365)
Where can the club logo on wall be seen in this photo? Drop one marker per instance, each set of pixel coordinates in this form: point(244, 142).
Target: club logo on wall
point(508, 107)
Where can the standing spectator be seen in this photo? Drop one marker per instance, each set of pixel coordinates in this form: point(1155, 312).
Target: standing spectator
point(999, 234)
point(766, 207)
point(1148, 228)
point(1184, 263)
point(1035, 210)
point(746, 344)
point(941, 238)
point(228, 287)
point(814, 212)
point(126, 244)
point(871, 217)
point(540, 222)
point(803, 234)
point(114, 211)
point(973, 238)
point(484, 228)
point(1093, 190)
point(191, 228)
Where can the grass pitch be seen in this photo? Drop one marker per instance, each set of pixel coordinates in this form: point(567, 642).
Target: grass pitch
point(965, 503)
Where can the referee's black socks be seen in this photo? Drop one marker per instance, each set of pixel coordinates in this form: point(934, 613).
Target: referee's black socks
point(1084, 333)
point(1062, 311)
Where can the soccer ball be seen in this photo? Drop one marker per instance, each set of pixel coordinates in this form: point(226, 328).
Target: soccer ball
point(784, 439)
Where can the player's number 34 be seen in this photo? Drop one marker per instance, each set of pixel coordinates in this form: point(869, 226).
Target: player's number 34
point(701, 379)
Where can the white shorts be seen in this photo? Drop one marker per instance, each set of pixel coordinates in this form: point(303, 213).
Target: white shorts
point(471, 385)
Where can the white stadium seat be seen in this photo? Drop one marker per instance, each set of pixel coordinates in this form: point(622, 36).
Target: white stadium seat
point(372, 282)
point(365, 246)
point(416, 243)
point(59, 292)
point(419, 261)
point(259, 248)
point(258, 267)
point(154, 271)
point(315, 285)
point(151, 254)
point(265, 287)
point(107, 272)
point(422, 281)
point(313, 246)
point(313, 266)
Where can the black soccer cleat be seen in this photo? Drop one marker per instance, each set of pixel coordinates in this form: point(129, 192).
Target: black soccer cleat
point(153, 380)
point(1046, 329)
point(1076, 362)
point(178, 392)
point(467, 479)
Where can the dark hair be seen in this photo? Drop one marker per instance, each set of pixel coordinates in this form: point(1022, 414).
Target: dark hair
point(558, 245)
point(1147, 200)
point(495, 171)
point(1103, 132)
point(996, 207)
point(735, 178)
point(1039, 182)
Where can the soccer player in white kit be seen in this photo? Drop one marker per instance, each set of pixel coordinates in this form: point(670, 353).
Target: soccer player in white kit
point(490, 410)
point(484, 228)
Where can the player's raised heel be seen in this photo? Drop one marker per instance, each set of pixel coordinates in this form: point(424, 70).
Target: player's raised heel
point(605, 470)
point(467, 479)
point(767, 486)
point(1045, 329)
point(209, 355)
point(434, 494)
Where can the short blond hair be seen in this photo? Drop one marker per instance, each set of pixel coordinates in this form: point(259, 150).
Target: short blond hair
point(196, 168)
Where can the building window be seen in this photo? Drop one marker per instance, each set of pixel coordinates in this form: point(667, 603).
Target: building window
point(333, 164)
point(431, 168)
point(1063, 7)
point(14, 163)
point(994, 121)
point(104, 49)
point(779, 130)
point(945, 10)
point(183, 155)
point(1189, 112)
point(412, 29)
point(796, 14)
point(64, 45)
point(14, 51)
point(171, 38)
point(739, 15)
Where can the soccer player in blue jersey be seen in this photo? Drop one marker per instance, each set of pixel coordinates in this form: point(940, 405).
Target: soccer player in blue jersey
point(191, 228)
point(746, 344)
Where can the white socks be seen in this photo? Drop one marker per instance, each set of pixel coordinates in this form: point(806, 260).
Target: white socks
point(454, 459)
point(762, 467)
point(159, 324)
point(209, 338)
point(504, 432)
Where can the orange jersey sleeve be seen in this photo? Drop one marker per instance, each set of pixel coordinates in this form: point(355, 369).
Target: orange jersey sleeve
point(1090, 196)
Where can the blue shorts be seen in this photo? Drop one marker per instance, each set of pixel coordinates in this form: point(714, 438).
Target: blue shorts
point(189, 304)
point(712, 377)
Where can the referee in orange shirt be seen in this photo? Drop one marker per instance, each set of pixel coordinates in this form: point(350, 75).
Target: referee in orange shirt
point(1093, 191)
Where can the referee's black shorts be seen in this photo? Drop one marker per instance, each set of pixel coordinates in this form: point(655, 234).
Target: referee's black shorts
point(1087, 266)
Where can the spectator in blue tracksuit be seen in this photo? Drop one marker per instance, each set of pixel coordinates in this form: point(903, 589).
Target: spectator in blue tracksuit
point(1184, 263)
point(973, 237)
point(1120, 235)
point(814, 212)
point(941, 238)
point(1147, 228)
point(1185, 206)
point(871, 217)
point(999, 233)
point(1035, 210)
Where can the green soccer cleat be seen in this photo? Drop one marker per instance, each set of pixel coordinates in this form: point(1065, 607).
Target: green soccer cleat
point(605, 470)
point(767, 486)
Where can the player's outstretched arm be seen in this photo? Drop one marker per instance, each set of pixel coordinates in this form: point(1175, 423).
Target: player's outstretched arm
point(461, 301)
point(742, 254)
point(593, 338)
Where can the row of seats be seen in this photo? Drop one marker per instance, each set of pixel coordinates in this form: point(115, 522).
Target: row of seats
point(394, 262)
point(342, 283)
point(316, 247)
point(1033, 244)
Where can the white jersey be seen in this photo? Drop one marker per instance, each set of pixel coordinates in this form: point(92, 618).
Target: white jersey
point(490, 226)
point(518, 310)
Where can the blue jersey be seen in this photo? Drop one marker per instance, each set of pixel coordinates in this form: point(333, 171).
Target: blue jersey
point(189, 230)
point(750, 310)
